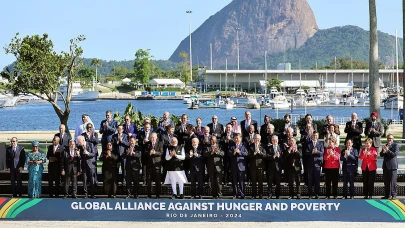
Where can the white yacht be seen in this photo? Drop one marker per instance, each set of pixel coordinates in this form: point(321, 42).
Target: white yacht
point(352, 100)
point(300, 92)
point(280, 102)
point(274, 92)
point(8, 100)
point(252, 103)
point(334, 100)
point(226, 104)
point(394, 102)
point(78, 93)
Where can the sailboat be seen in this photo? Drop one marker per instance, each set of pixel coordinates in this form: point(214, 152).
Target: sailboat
point(396, 102)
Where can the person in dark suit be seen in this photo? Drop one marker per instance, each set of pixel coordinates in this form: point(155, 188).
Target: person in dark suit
point(143, 138)
point(267, 135)
point(244, 124)
point(292, 167)
point(283, 129)
point(191, 135)
point(54, 155)
point(214, 155)
point(274, 166)
point(354, 129)
point(63, 136)
point(165, 138)
point(390, 166)
point(326, 127)
point(306, 136)
point(153, 151)
point(308, 121)
point(225, 141)
point(132, 156)
point(120, 143)
point(87, 155)
point(15, 160)
point(264, 127)
point(110, 171)
point(181, 130)
point(197, 168)
point(374, 130)
point(238, 153)
point(248, 139)
point(314, 151)
point(216, 128)
point(70, 166)
point(129, 128)
point(256, 154)
point(91, 136)
point(199, 129)
point(349, 157)
point(108, 127)
point(164, 122)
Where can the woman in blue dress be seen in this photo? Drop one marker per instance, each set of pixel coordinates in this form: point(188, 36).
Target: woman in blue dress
point(35, 161)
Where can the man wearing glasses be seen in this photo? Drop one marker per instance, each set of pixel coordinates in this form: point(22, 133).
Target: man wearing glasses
point(216, 128)
point(15, 157)
point(390, 165)
point(129, 128)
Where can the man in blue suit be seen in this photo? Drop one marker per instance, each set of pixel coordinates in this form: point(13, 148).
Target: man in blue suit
point(107, 128)
point(120, 142)
point(87, 154)
point(238, 153)
point(197, 167)
point(349, 156)
point(15, 160)
point(314, 152)
point(390, 165)
point(244, 124)
point(129, 128)
point(164, 122)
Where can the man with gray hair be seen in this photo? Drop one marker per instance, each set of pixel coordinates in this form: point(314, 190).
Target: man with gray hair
point(274, 166)
point(87, 154)
point(354, 129)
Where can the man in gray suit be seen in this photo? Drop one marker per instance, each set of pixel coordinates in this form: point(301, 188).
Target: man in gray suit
point(374, 130)
point(87, 154)
point(390, 165)
point(15, 160)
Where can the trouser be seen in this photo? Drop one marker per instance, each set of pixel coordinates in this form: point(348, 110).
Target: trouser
point(256, 176)
point(227, 171)
point(390, 182)
point(123, 171)
point(144, 169)
point(68, 178)
point(110, 181)
point(294, 176)
point(88, 176)
point(331, 177)
point(273, 175)
point(132, 176)
point(368, 182)
point(304, 162)
point(16, 176)
point(153, 174)
point(54, 177)
point(216, 186)
point(238, 182)
point(199, 177)
point(348, 176)
point(314, 174)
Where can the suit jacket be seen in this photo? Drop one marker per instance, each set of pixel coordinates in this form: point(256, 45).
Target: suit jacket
point(325, 130)
point(369, 161)
point(15, 160)
point(314, 159)
point(181, 133)
point(274, 163)
point(153, 161)
point(354, 133)
point(256, 160)
point(87, 160)
point(162, 127)
point(390, 157)
point(196, 162)
point(165, 140)
point(224, 143)
point(219, 128)
point(120, 147)
point(141, 139)
point(247, 139)
point(282, 133)
point(109, 131)
point(238, 160)
point(65, 139)
point(244, 131)
point(349, 162)
point(375, 136)
point(133, 160)
point(188, 144)
point(93, 140)
point(131, 129)
point(202, 141)
point(214, 160)
point(70, 164)
point(266, 138)
point(292, 160)
point(58, 154)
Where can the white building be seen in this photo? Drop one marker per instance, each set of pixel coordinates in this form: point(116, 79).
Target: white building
point(173, 83)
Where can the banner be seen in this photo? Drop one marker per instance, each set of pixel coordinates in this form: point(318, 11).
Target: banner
point(202, 210)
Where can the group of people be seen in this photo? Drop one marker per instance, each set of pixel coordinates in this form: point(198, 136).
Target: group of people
point(237, 152)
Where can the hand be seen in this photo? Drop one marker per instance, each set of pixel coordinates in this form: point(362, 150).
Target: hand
point(128, 151)
point(314, 150)
point(78, 173)
point(130, 134)
point(63, 173)
point(191, 153)
point(195, 154)
point(109, 154)
point(8, 169)
point(237, 150)
point(153, 151)
point(78, 153)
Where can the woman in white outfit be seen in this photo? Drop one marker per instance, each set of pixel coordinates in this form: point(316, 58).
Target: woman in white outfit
point(175, 169)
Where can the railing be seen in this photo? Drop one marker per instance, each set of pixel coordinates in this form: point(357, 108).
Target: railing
point(337, 120)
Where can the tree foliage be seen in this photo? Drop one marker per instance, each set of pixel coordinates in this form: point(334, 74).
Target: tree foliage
point(184, 67)
point(86, 75)
point(38, 70)
point(274, 82)
point(142, 66)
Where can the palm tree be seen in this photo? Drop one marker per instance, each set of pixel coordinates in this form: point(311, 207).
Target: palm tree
point(95, 62)
point(373, 61)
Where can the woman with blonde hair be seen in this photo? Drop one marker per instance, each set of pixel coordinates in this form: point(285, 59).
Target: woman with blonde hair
point(368, 155)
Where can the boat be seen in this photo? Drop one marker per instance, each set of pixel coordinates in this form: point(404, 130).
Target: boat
point(394, 102)
point(300, 100)
point(300, 92)
point(78, 93)
point(274, 92)
point(186, 99)
point(194, 102)
point(8, 100)
point(210, 103)
point(334, 100)
point(280, 102)
point(311, 102)
point(352, 100)
point(252, 103)
point(226, 104)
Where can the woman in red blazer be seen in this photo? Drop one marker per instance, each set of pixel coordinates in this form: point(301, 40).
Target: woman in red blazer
point(331, 167)
point(368, 156)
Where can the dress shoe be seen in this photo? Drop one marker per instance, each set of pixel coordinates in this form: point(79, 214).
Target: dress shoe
point(128, 196)
point(114, 196)
point(93, 197)
point(260, 197)
point(181, 196)
point(199, 197)
point(233, 197)
point(192, 197)
point(370, 197)
point(366, 197)
point(328, 197)
point(393, 198)
point(144, 183)
point(174, 196)
point(74, 197)
point(136, 197)
point(290, 197)
point(384, 197)
point(298, 196)
point(351, 197)
point(85, 196)
point(269, 196)
point(65, 196)
point(316, 197)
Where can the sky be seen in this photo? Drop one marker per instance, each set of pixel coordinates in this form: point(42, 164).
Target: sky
point(114, 30)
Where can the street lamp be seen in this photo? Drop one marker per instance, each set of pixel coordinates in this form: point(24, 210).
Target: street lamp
point(237, 43)
point(191, 59)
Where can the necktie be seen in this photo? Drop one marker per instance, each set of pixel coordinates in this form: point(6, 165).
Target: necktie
point(147, 135)
point(61, 138)
point(128, 128)
point(54, 149)
point(251, 136)
point(373, 125)
point(314, 144)
point(275, 149)
point(215, 127)
point(153, 146)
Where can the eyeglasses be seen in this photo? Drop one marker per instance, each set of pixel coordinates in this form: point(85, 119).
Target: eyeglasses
point(12, 141)
point(89, 127)
point(127, 119)
point(390, 138)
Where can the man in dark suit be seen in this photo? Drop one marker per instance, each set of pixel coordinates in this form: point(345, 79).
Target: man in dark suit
point(70, 166)
point(144, 137)
point(181, 130)
point(216, 128)
point(225, 142)
point(87, 155)
point(132, 157)
point(292, 166)
point(120, 142)
point(165, 138)
point(164, 122)
point(326, 127)
point(15, 160)
point(374, 130)
point(108, 127)
point(349, 157)
point(244, 124)
point(390, 166)
point(129, 128)
point(256, 155)
point(283, 129)
point(354, 129)
point(91, 136)
point(153, 151)
point(315, 156)
point(197, 168)
point(267, 134)
point(54, 155)
point(238, 153)
point(274, 166)
point(214, 155)
point(63, 136)
point(248, 139)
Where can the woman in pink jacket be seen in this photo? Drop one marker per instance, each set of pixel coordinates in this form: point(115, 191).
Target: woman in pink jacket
point(368, 155)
